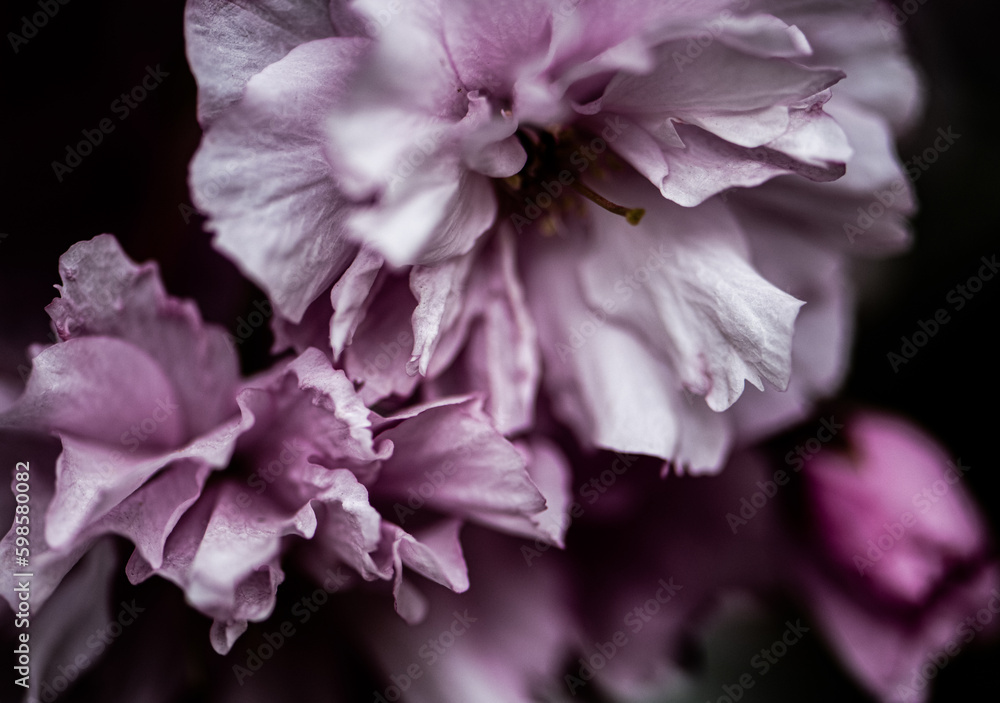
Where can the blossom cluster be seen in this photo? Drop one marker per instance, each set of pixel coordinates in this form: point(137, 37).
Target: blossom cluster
point(523, 257)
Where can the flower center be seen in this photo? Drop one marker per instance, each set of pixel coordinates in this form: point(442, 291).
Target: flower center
point(543, 190)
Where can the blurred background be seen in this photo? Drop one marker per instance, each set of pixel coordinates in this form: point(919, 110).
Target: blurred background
point(68, 74)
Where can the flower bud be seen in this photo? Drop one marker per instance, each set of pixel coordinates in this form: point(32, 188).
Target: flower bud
point(900, 566)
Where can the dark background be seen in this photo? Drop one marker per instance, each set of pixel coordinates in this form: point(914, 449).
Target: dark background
point(65, 78)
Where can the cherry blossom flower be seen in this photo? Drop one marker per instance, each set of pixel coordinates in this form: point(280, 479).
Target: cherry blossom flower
point(544, 196)
point(211, 476)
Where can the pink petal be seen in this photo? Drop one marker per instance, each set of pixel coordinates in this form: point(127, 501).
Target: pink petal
point(436, 213)
point(636, 405)
point(721, 79)
point(788, 257)
point(440, 292)
point(455, 450)
point(693, 295)
point(272, 200)
point(47, 564)
point(339, 428)
point(149, 515)
point(93, 478)
point(436, 554)
point(377, 357)
point(228, 43)
point(349, 528)
point(350, 298)
point(551, 473)
point(489, 41)
point(489, 145)
point(708, 165)
point(501, 359)
point(101, 388)
point(881, 77)
point(104, 293)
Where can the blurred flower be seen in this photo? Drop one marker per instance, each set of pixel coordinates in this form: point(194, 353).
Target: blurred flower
point(649, 563)
point(388, 173)
point(507, 639)
point(874, 537)
point(897, 561)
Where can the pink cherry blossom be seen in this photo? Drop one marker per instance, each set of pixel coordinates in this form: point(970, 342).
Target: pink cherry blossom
point(517, 198)
point(211, 475)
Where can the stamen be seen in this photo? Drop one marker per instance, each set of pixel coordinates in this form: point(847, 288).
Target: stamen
point(632, 215)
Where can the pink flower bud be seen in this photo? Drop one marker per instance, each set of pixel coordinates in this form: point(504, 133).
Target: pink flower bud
point(902, 567)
